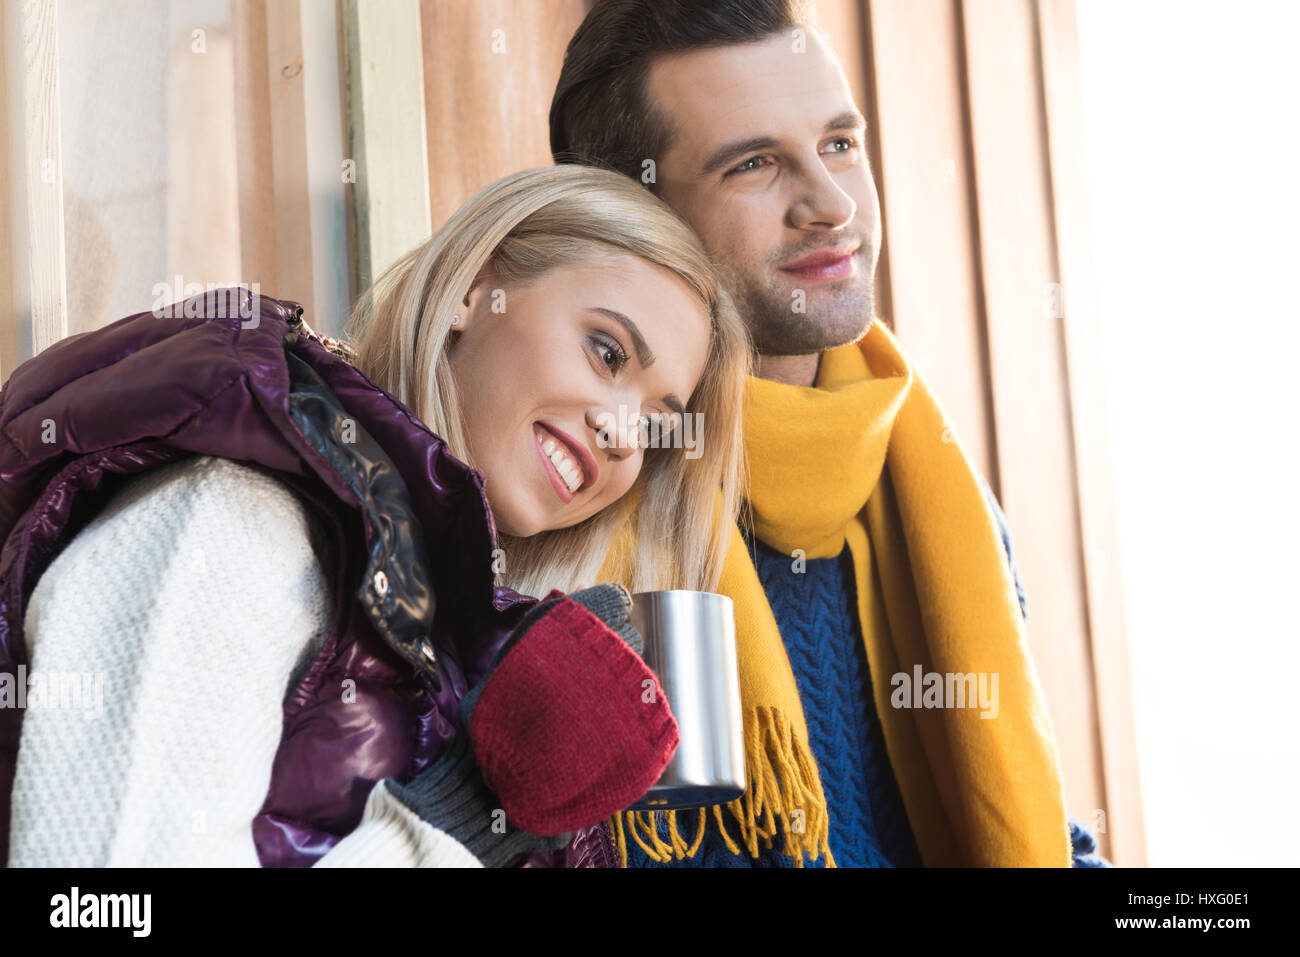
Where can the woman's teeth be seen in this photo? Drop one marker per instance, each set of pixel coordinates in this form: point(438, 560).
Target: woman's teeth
point(569, 471)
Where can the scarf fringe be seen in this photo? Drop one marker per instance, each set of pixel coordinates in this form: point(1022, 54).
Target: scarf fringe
point(784, 792)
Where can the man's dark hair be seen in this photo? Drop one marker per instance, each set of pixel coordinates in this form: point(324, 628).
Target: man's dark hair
point(600, 115)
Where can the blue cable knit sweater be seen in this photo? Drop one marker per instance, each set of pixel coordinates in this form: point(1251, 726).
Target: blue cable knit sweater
point(816, 607)
point(815, 610)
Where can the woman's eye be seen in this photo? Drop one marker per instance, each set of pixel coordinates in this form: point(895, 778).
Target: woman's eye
point(610, 353)
point(661, 423)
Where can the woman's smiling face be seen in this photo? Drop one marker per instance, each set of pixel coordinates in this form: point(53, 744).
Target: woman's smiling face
point(543, 369)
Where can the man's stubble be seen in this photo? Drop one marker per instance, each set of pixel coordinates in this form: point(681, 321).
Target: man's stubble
point(831, 316)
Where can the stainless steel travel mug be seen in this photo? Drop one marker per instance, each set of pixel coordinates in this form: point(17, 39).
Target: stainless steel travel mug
point(690, 645)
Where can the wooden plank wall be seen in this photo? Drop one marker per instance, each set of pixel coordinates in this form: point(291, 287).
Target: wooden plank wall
point(9, 281)
point(35, 162)
point(386, 117)
point(490, 68)
point(285, 75)
point(329, 182)
point(925, 184)
point(1092, 460)
point(288, 235)
point(253, 134)
point(271, 130)
point(203, 223)
point(484, 71)
point(1028, 376)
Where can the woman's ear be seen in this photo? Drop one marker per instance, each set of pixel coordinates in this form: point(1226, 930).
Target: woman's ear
point(474, 300)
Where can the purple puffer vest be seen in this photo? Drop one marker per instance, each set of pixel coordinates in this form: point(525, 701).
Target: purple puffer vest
point(413, 628)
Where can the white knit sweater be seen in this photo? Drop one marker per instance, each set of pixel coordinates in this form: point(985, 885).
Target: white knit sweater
point(163, 602)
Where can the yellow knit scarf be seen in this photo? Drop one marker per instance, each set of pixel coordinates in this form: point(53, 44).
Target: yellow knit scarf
point(934, 594)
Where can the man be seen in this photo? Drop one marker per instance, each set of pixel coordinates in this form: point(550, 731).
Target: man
point(876, 561)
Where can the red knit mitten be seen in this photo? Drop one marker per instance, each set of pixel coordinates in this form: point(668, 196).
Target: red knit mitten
point(571, 726)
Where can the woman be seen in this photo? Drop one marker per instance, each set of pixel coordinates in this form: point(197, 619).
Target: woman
point(285, 572)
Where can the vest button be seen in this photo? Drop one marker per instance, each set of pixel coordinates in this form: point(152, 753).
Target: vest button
point(381, 584)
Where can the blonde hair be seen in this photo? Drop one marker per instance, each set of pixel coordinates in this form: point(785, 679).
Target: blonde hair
point(672, 529)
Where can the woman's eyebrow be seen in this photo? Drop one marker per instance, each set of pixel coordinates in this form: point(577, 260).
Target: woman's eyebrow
point(643, 353)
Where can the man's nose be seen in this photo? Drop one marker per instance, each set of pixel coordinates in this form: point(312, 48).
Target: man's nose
point(821, 203)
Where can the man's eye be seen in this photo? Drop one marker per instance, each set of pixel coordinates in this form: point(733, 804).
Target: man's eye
point(850, 142)
point(745, 167)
